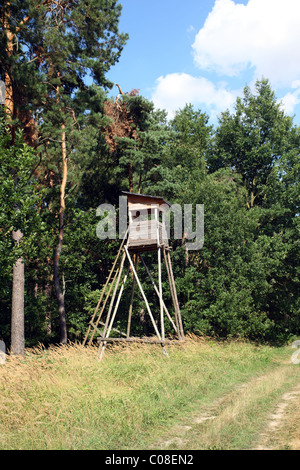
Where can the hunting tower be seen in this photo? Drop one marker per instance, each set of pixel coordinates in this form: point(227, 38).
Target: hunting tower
point(146, 233)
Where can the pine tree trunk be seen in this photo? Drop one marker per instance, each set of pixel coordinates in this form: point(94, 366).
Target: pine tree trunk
point(47, 293)
point(130, 176)
point(59, 294)
point(17, 311)
point(9, 101)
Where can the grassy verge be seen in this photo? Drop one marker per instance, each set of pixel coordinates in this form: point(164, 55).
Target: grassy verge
point(64, 398)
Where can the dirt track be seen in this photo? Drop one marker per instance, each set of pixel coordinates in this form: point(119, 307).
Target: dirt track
point(277, 429)
point(280, 418)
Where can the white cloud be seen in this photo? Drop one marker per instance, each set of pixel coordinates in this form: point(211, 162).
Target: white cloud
point(264, 34)
point(175, 90)
point(260, 39)
point(190, 29)
point(291, 99)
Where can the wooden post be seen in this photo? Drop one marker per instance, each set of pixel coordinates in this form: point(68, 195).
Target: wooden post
point(157, 292)
point(113, 329)
point(103, 292)
point(131, 300)
point(142, 292)
point(160, 296)
point(139, 340)
point(103, 344)
point(117, 303)
point(97, 308)
point(162, 326)
point(176, 305)
point(172, 293)
point(103, 306)
point(114, 295)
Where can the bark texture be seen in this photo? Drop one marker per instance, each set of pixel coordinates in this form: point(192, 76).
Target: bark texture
point(17, 311)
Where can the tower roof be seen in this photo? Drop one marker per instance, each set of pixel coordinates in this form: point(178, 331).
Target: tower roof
point(135, 198)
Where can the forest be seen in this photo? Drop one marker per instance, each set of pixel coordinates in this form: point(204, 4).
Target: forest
point(66, 148)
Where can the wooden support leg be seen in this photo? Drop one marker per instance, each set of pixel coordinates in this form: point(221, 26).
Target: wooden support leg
point(102, 294)
point(113, 297)
point(104, 304)
point(157, 292)
point(131, 300)
point(176, 304)
point(172, 294)
point(160, 296)
point(143, 294)
point(117, 303)
point(113, 315)
point(98, 306)
point(95, 325)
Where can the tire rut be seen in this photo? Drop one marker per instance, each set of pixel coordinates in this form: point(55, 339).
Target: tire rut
point(179, 435)
point(276, 419)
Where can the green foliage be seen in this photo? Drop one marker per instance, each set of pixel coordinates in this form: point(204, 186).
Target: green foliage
point(18, 191)
point(244, 280)
point(253, 139)
point(141, 147)
point(20, 198)
point(247, 273)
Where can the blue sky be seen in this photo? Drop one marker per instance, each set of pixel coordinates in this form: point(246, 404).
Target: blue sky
point(205, 51)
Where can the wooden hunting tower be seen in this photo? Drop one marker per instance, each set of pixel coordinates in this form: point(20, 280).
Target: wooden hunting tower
point(146, 233)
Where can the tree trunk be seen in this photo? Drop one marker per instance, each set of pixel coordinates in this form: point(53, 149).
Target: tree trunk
point(59, 294)
point(130, 176)
point(144, 321)
point(9, 101)
point(47, 293)
point(17, 311)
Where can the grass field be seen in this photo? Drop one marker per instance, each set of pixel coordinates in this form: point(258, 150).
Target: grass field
point(204, 395)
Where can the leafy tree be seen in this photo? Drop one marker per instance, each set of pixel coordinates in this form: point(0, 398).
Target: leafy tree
point(217, 287)
point(252, 139)
point(259, 142)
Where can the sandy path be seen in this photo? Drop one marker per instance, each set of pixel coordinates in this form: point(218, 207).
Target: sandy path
point(182, 433)
point(277, 419)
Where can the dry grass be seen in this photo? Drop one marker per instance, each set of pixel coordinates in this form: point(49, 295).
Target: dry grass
point(64, 398)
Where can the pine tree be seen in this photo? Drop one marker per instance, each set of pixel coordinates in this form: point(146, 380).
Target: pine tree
point(137, 137)
point(48, 49)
